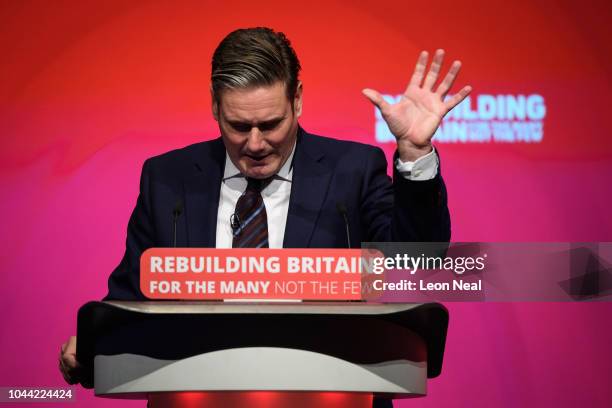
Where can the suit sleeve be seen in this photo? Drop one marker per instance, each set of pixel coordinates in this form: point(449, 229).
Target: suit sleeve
point(124, 282)
point(402, 210)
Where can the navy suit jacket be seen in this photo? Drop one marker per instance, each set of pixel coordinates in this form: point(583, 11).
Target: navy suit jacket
point(326, 172)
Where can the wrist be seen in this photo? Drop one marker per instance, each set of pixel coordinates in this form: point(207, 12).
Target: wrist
point(409, 152)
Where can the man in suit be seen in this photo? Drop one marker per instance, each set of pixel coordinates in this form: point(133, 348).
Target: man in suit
point(268, 183)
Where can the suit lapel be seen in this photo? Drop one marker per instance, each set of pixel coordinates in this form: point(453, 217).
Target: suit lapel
point(202, 195)
point(309, 186)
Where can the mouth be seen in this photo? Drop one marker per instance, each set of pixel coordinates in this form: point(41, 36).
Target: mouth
point(256, 159)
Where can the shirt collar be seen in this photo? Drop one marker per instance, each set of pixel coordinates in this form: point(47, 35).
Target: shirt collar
point(285, 173)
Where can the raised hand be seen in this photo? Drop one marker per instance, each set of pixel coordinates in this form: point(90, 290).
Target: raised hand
point(414, 119)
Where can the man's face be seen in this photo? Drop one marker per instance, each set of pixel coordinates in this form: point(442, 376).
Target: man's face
point(259, 127)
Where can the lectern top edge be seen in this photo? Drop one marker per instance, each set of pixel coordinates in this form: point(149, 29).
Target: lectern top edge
point(191, 307)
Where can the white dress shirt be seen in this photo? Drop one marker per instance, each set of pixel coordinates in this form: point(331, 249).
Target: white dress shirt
point(276, 195)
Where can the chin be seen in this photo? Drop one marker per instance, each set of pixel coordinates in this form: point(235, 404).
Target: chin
point(259, 172)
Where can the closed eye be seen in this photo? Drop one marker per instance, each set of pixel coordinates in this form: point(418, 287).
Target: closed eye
point(240, 127)
point(270, 124)
point(244, 127)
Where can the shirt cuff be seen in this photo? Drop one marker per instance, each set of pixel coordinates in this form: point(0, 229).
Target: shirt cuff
point(423, 168)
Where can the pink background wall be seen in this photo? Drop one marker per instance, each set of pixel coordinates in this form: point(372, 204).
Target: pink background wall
point(88, 90)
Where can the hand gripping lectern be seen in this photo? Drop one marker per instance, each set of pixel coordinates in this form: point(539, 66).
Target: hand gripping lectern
point(165, 351)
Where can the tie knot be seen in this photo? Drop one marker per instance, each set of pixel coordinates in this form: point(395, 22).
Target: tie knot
point(257, 185)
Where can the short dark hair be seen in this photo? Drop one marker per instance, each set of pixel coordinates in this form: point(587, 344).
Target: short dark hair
point(254, 57)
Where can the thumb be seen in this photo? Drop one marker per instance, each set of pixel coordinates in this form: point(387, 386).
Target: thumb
point(376, 98)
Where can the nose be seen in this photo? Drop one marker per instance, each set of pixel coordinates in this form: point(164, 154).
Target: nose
point(255, 142)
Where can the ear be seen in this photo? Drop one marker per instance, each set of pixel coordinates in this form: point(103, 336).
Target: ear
point(215, 105)
point(297, 100)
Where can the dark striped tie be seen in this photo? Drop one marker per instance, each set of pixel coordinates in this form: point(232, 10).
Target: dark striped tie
point(252, 220)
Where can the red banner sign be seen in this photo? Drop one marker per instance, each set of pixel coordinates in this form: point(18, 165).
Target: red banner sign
point(207, 273)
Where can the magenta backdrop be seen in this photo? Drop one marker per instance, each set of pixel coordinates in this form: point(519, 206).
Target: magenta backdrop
point(90, 89)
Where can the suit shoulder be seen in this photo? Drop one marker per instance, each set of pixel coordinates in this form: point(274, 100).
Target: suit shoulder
point(338, 147)
point(184, 156)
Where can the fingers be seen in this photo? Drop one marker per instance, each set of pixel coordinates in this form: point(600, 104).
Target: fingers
point(376, 98)
point(434, 70)
point(68, 364)
point(70, 369)
point(457, 98)
point(419, 69)
point(434, 73)
point(449, 79)
point(65, 369)
point(69, 375)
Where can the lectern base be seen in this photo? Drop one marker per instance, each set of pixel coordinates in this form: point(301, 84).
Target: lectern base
point(260, 399)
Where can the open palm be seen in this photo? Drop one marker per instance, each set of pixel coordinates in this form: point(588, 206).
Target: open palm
point(414, 119)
